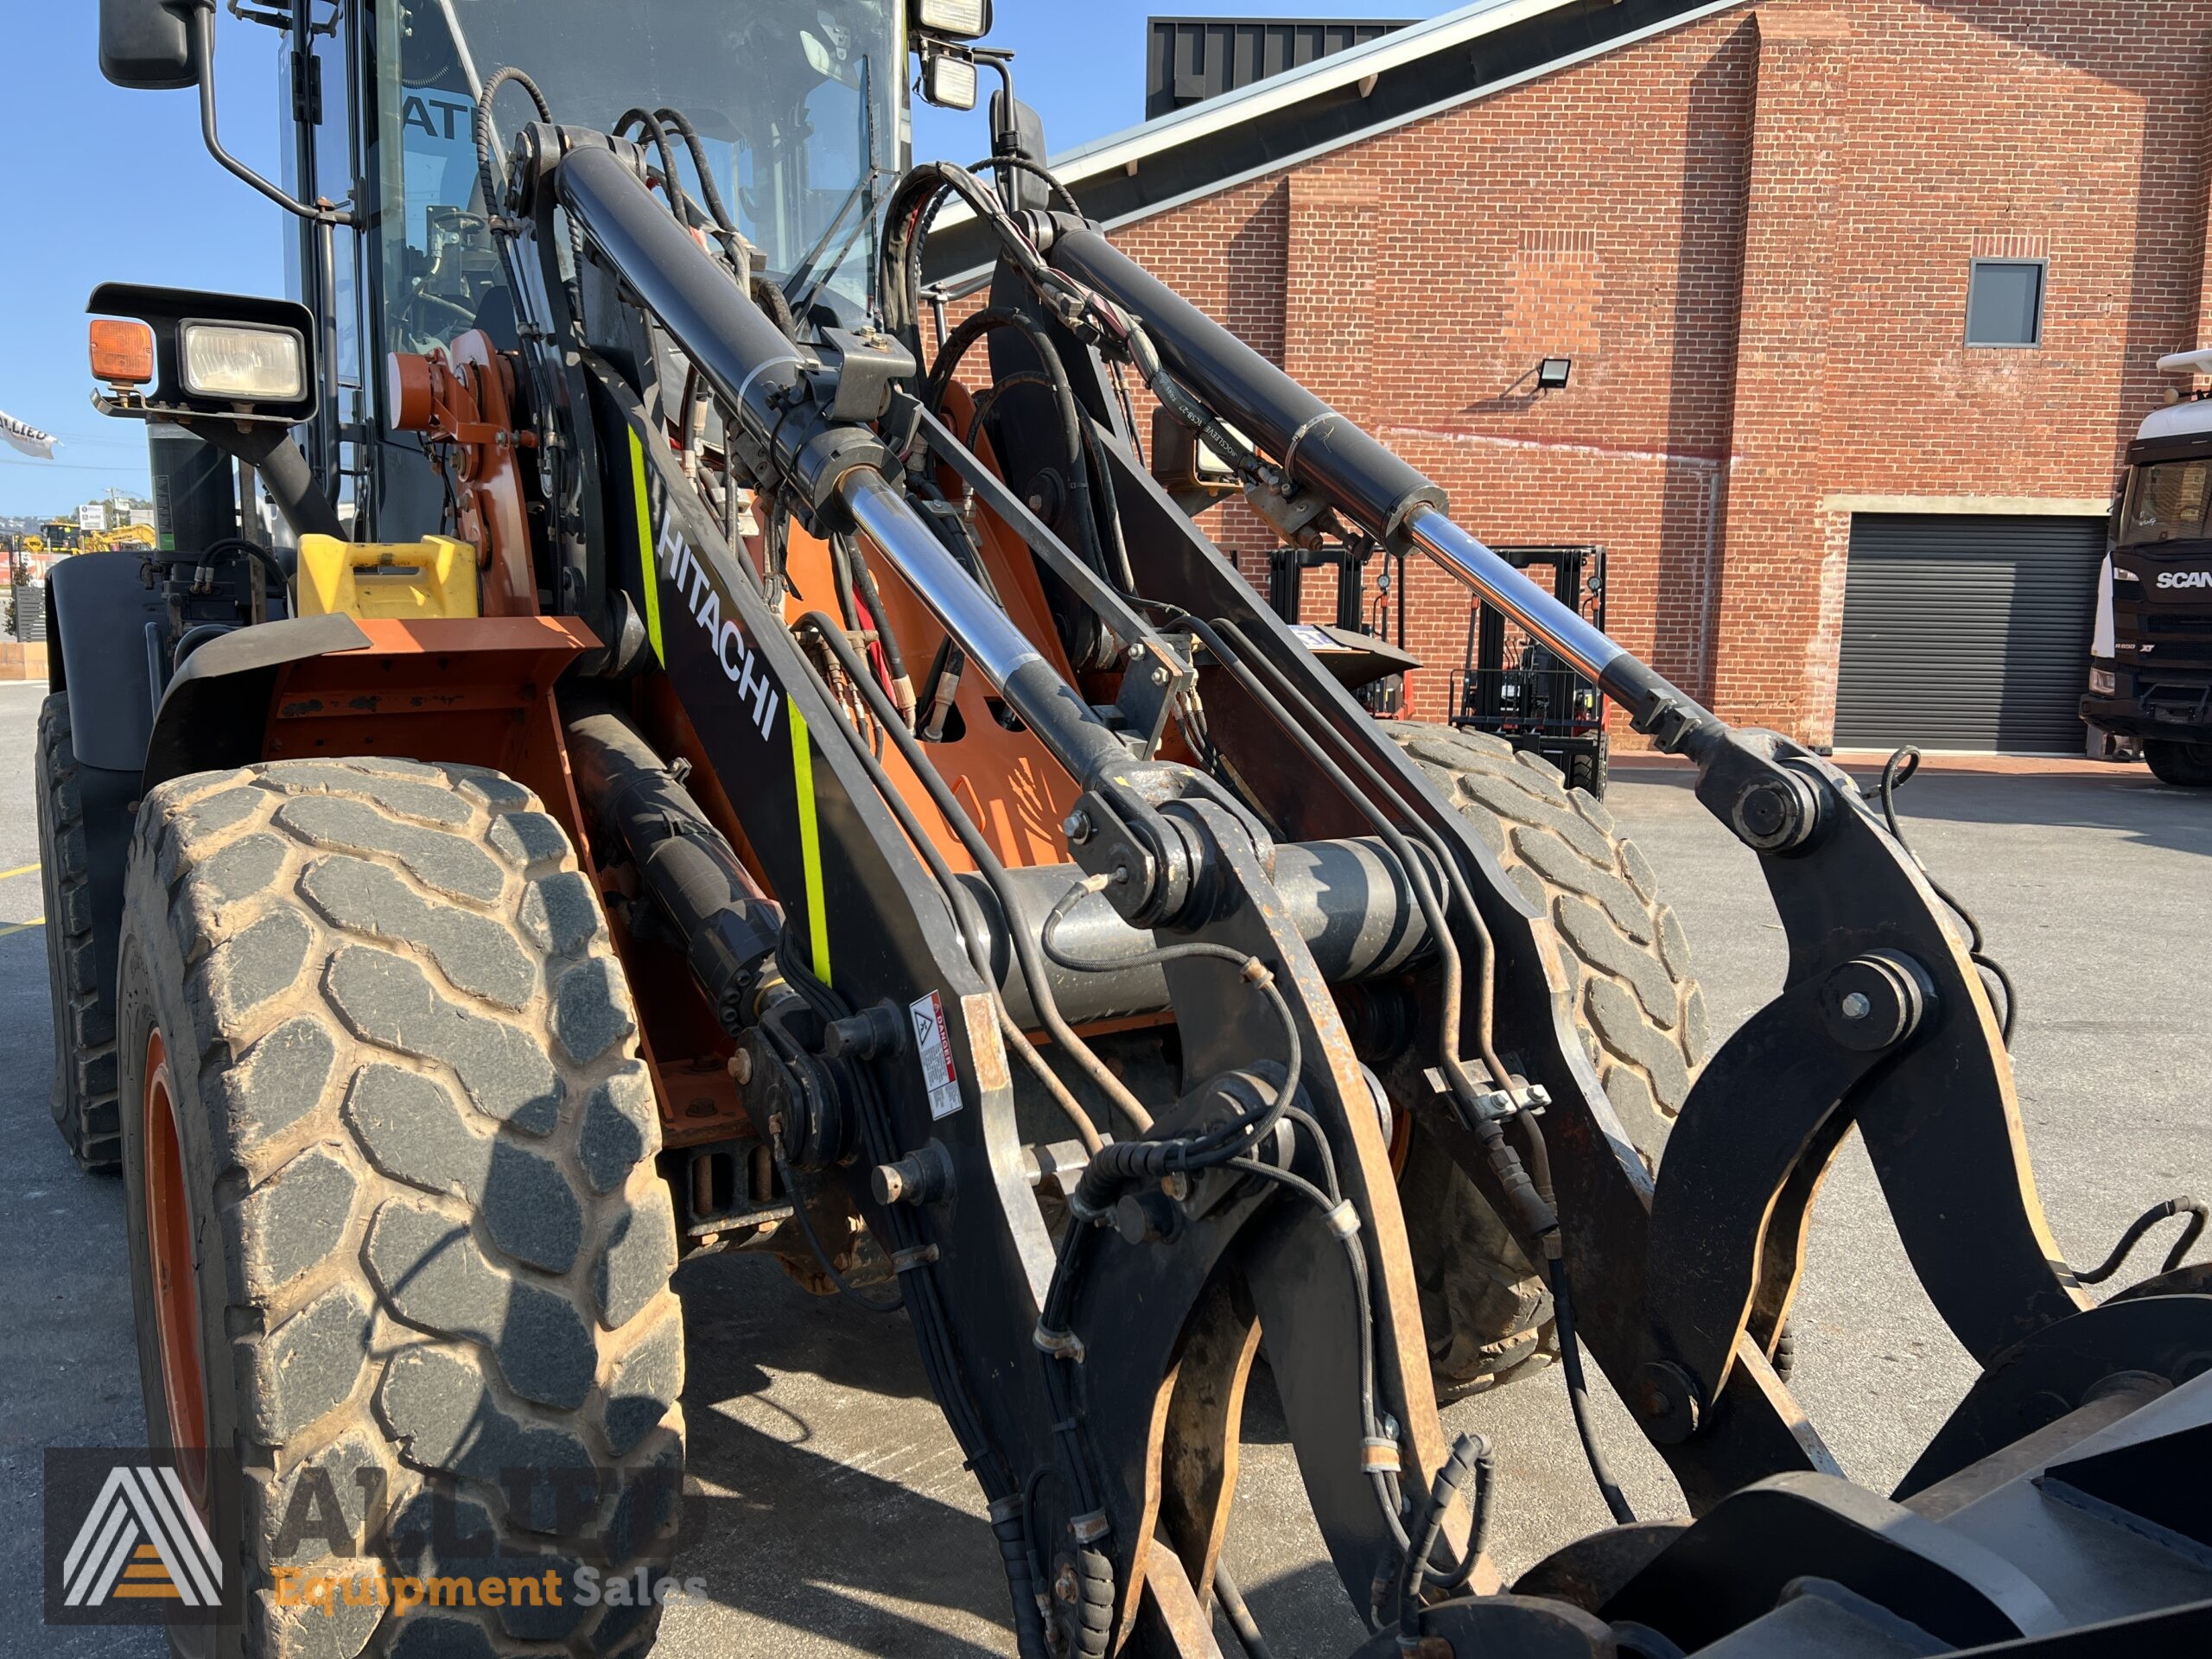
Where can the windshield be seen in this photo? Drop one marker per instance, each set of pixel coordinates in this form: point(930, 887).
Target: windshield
point(2166, 503)
point(797, 106)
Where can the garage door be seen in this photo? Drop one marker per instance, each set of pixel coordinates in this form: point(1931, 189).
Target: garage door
point(1967, 633)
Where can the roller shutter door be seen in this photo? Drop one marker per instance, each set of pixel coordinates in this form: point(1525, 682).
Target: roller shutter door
point(1967, 633)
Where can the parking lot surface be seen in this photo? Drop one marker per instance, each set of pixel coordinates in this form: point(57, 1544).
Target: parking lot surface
point(828, 1513)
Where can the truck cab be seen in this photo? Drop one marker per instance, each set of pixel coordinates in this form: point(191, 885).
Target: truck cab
point(2151, 657)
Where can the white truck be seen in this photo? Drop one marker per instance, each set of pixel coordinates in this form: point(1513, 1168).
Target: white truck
point(2150, 657)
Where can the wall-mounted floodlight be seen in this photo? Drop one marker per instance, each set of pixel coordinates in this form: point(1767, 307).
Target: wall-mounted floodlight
point(1553, 372)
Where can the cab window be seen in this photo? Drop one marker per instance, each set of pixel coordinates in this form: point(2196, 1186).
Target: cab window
point(2166, 502)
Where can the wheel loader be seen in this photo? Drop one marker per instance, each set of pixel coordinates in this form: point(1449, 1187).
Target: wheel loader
point(723, 760)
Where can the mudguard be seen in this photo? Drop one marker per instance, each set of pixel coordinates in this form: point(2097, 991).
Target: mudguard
point(215, 713)
point(98, 607)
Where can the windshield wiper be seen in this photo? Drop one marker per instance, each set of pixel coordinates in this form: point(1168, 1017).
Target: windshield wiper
point(806, 281)
point(814, 271)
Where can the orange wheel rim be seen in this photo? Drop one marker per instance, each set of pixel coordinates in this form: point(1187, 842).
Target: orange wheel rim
point(1401, 1141)
point(176, 1295)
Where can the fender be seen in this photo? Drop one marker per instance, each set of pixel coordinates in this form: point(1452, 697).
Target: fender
point(216, 711)
point(98, 608)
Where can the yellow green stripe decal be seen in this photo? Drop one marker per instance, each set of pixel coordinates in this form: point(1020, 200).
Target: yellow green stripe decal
point(646, 546)
point(810, 842)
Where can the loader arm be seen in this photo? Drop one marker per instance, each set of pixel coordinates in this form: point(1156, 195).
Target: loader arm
point(1883, 1022)
point(1077, 1373)
point(880, 887)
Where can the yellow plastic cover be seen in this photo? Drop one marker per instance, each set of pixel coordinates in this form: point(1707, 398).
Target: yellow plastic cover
point(406, 580)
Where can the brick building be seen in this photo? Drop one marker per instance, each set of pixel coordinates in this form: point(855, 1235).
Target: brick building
point(1755, 229)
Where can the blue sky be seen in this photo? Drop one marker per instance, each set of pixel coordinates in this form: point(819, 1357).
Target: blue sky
point(103, 185)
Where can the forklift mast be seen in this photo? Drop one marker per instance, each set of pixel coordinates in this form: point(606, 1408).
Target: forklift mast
point(1537, 701)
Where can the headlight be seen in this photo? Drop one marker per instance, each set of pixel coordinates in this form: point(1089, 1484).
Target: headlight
point(250, 366)
point(2103, 682)
point(2119, 575)
point(959, 19)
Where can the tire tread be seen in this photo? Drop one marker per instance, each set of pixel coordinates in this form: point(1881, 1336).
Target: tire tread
point(415, 1270)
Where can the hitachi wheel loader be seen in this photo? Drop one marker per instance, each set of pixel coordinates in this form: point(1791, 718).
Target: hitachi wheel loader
point(709, 755)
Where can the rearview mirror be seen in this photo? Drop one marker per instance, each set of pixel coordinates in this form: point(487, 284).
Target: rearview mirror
point(147, 45)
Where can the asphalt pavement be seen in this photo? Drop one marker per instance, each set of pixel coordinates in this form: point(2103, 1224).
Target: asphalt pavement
point(827, 1512)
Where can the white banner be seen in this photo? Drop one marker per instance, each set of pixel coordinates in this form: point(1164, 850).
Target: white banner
point(32, 443)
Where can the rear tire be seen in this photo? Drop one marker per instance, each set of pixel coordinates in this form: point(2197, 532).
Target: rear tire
point(1638, 1008)
point(428, 1243)
point(84, 1014)
point(2185, 765)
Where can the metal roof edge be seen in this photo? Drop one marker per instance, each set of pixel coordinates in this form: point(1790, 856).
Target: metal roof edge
point(1344, 68)
point(963, 282)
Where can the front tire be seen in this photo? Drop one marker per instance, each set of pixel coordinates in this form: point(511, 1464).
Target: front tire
point(2185, 765)
point(1638, 1008)
point(396, 1228)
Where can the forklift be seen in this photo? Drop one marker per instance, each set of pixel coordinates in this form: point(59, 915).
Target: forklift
point(1538, 702)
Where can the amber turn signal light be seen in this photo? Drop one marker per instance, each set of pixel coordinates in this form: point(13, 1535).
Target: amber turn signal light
point(122, 351)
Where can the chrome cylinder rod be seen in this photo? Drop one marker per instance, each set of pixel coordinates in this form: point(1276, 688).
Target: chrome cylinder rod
point(1557, 627)
point(999, 651)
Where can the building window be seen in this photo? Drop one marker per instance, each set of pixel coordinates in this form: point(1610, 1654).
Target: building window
point(2005, 303)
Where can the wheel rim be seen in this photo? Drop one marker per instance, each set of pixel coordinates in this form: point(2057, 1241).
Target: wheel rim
point(176, 1296)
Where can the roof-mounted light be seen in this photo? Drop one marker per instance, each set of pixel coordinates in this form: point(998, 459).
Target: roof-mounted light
point(951, 20)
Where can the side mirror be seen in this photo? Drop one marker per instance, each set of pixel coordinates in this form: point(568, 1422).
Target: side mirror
point(1019, 131)
point(148, 45)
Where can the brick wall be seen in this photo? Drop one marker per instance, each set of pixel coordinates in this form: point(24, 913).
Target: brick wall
point(1753, 235)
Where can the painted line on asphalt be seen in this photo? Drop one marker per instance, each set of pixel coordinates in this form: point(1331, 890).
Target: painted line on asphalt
point(20, 869)
point(22, 926)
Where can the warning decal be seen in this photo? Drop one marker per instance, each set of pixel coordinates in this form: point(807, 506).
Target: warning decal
point(933, 1042)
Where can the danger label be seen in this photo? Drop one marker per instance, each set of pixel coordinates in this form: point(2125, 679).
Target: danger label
point(933, 1042)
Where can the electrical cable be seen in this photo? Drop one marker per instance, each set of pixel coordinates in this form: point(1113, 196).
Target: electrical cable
point(1416, 870)
point(1470, 1463)
point(1085, 466)
point(814, 1242)
point(264, 562)
point(1900, 770)
point(1023, 164)
point(975, 935)
point(1578, 1394)
point(2142, 1223)
point(1197, 1151)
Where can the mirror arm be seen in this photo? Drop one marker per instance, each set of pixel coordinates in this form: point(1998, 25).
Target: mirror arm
point(203, 26)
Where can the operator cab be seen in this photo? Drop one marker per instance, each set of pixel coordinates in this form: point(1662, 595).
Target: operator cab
point(798, 115)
